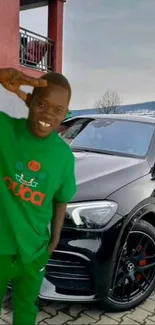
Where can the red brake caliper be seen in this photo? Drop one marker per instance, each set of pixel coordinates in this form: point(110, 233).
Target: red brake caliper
point(141, 263)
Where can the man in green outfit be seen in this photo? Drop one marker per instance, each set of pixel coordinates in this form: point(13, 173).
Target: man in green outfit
point(36, 182)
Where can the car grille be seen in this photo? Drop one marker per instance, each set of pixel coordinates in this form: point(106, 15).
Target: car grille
point(70, 273)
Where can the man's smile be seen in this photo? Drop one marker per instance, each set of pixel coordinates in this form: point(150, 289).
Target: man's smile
point(44, 124)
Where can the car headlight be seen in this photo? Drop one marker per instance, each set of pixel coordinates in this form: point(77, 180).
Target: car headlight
point(91, 214)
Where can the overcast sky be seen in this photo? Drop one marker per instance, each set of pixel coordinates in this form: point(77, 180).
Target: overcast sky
point(108, 44)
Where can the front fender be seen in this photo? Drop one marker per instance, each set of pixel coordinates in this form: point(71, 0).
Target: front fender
point(142, 209)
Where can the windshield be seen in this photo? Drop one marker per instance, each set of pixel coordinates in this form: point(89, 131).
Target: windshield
point(106, 135)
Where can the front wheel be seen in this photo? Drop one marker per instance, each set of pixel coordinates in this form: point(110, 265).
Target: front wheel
point(135, 273)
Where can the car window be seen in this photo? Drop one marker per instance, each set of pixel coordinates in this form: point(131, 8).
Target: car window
point(117, 136)
point(73, 128)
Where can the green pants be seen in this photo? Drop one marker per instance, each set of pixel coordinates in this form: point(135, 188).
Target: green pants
point(26, 282)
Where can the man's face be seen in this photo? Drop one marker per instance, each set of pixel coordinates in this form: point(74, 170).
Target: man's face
point(47, 109)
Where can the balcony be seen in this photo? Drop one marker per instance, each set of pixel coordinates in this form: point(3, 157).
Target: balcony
point(36, 51)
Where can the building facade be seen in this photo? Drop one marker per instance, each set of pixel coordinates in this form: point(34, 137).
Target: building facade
point(24, 49)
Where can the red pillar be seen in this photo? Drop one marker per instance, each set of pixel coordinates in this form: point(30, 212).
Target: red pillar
point(55, 30)
point(9, 33)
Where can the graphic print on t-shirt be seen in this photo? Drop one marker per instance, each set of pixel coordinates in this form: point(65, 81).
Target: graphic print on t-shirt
point(30, 175)
point(27, 177)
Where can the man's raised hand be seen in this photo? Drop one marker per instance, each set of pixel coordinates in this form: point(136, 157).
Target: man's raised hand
point(12, 79)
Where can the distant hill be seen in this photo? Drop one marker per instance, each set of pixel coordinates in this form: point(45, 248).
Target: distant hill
point(147, 108)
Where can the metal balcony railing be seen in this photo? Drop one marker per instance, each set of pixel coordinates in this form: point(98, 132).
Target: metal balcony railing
point(36, 51)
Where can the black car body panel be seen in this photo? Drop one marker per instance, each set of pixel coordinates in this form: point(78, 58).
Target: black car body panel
point(140, 189)
point(99, 175)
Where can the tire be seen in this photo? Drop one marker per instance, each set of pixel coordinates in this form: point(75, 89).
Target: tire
point(109, 303)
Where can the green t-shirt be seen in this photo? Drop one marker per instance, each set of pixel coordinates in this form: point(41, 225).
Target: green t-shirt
point(33, 174)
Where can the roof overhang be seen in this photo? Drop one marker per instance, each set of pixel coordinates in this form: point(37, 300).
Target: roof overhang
point(32, 4)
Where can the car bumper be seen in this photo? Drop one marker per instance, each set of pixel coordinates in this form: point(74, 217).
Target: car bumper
point(78, 270)
point(68, 277)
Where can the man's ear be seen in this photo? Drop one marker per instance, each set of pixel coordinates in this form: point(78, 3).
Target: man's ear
point(28, 100)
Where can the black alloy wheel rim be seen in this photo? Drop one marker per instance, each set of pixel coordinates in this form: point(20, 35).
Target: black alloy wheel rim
point(136, 268)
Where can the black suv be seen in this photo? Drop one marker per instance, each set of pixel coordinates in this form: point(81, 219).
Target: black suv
point(107, 247)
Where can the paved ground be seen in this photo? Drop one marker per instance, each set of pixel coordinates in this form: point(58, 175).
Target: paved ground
point(85, 314)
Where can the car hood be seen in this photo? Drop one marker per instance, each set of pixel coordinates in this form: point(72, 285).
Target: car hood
point(100, 175)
